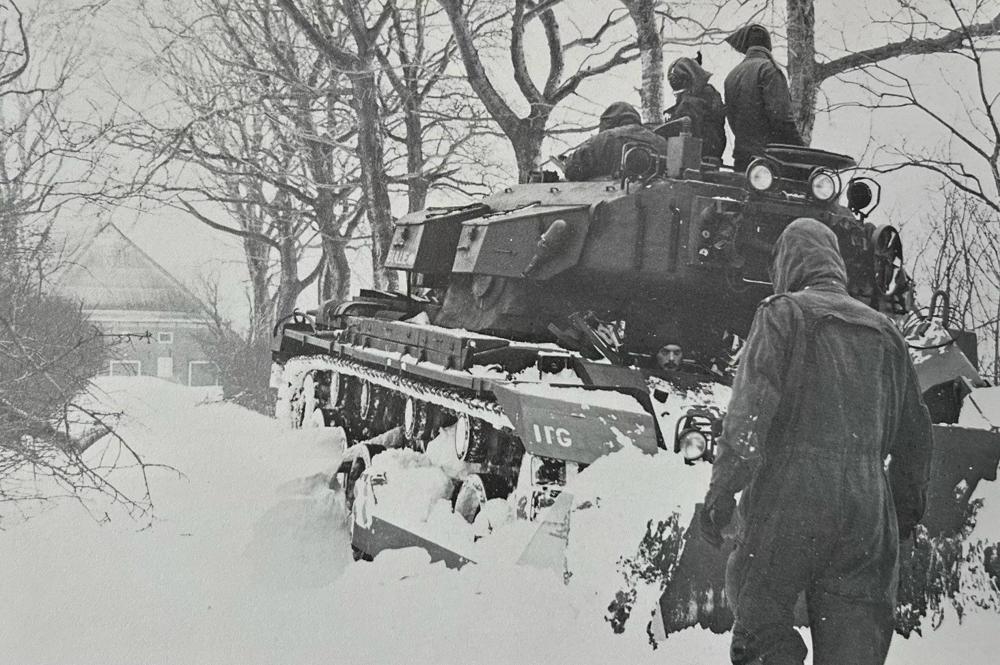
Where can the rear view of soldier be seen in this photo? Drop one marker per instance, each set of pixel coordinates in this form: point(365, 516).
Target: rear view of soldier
point(758, 104)
point(824, 393)
point(600, 155)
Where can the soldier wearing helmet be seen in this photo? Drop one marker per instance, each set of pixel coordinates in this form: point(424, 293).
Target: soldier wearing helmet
point(758, 104)
point(600, 155)
point(698, 100)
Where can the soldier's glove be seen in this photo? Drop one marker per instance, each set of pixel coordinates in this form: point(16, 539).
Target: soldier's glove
point(716, 514)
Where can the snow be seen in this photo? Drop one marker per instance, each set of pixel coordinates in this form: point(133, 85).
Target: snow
point(247, 561)
point(981, 409)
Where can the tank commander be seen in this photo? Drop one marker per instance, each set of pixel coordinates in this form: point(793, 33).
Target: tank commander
point(758, 104)
point(698, 100)
point(601, 155)
point(825, 391)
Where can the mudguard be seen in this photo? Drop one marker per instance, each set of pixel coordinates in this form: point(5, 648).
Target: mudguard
point(574, 423)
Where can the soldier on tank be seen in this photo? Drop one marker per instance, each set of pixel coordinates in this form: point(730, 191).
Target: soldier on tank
point(758, 104)
point(825, 391)
point(600, 155)
point(698, 100)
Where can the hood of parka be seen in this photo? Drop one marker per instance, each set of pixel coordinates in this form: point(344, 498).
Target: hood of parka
point(687, 74)
point(807, 254)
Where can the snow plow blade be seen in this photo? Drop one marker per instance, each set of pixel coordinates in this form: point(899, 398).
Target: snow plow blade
point(547, 548)
point(962, 458)
point(382, 535)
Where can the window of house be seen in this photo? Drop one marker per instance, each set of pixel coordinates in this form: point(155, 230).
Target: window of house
point(165, 337)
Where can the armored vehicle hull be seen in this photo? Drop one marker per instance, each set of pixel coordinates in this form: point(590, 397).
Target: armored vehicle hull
point(526, 350)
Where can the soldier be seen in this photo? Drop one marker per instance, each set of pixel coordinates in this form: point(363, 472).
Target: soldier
point(600, 155)
point(698, 100)
point(825, 391)
point(758, 104)
point(670, 356)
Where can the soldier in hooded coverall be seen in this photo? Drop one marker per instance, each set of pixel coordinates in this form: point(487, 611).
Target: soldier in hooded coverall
point(601, 154)
point(698, 100)
point(824, 393)
point(758, 103)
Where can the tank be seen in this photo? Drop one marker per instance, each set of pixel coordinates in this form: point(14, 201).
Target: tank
point(526, 347)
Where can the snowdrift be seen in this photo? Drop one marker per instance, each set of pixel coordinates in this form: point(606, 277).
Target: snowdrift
point(247, 560)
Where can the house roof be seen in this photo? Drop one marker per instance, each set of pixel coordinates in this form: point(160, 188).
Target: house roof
point(110, 272)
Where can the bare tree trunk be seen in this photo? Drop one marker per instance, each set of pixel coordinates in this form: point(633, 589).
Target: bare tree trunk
point(802, 79)
point(256, 254)
point(416, 184)
point(527, 152)
point(651, 57)
point(374, 184)
point(526, 133)
point(335, 280)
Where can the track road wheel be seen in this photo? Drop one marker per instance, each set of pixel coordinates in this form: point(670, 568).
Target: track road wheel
point(304, 402)
point(358, 466)
point(366, 400)
point(476, 491)
point(470, 439)
point(411, 423)
point(334, 399)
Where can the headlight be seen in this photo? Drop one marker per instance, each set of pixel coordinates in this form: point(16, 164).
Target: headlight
point(825, 185)
point(693, 444)
point(760, 175)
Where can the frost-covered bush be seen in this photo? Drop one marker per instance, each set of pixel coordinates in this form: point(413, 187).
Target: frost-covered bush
point(244, 362)
point(934, 571)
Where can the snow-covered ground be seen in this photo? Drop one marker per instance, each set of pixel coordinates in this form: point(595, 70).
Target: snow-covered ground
point(247, 561)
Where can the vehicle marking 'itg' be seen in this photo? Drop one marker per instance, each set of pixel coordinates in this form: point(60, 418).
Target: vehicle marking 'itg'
point(561, 434)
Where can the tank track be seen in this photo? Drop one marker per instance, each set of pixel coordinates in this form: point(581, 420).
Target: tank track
point(443, 396)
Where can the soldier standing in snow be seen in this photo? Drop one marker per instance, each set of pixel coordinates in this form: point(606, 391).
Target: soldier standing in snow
point(600, 155)
point(824, 393)
point(758, 104)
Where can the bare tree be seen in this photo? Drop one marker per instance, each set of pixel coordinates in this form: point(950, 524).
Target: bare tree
point(418, 127)
point(323, 29)
point(649, 41)
point(48, 350)
point(961, 256)
point(918, 31)
point(264, 121)
point(432, 116)
point(526, 132)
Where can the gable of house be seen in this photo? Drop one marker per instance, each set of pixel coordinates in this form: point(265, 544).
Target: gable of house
point(111, 273)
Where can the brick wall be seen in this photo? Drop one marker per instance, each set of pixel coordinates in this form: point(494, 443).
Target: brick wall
point(172, 351)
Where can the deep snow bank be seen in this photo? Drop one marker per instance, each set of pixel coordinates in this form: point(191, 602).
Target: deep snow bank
point(247, 561)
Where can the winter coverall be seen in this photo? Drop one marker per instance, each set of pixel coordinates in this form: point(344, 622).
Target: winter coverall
point(601, 154)
point(698, 100)
point(824, 393)
point(758, 104)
